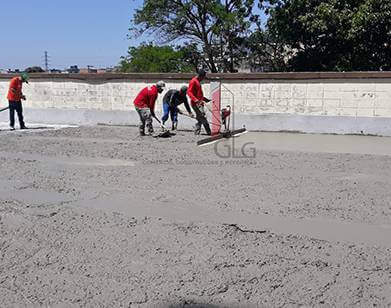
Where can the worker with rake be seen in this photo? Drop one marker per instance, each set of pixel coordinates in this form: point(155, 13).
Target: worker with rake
point(171, 100)
point(145, 106)
point(15, 97)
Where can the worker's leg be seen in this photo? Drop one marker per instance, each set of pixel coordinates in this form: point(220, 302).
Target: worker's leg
point(174, 117)
point(201, 120)
point(148, 120)
point(197, 127)
point(142, 121)
point(205, 121)
point(166, 111)
point(12, 113)
point(19, 111)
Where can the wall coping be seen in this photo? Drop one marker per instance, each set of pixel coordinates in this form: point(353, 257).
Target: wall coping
point(106, 77)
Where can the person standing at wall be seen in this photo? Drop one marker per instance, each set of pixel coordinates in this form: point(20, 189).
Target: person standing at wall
point(145, 106)
point(198, 102)
point(15, 97)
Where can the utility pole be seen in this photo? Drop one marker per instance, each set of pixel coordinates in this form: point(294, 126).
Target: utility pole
point(46, 59)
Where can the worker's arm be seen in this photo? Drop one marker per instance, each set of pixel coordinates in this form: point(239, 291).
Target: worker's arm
point(152, 97)
point(186, 103)
point(18, 93)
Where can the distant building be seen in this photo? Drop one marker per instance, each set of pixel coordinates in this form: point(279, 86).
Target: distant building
point(88, 70)
point(113, 69)
point(73, 69)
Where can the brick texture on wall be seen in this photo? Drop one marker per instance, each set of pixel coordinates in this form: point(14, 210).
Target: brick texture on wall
point(354, 97)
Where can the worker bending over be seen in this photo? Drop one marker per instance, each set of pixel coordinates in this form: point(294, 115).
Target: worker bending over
point(171, 100)
point(145, 106)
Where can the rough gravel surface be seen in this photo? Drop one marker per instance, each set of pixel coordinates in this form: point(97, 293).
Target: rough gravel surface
point(58, 248)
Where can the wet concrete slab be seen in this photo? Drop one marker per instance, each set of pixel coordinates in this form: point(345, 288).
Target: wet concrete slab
point(69, 161)
point(321, 229)
point(313, 143)
point(97, 216)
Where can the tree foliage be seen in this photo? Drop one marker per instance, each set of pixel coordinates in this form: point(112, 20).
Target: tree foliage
point(299, 35)
point(217, 27)
point(148, 58)
point(333, 34)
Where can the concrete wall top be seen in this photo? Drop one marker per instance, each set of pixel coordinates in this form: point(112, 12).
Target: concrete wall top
point(226, 77)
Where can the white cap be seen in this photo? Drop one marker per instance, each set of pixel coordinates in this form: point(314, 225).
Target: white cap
point(161, 84)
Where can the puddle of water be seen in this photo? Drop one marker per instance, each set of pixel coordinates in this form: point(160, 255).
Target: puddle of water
point(322, 229)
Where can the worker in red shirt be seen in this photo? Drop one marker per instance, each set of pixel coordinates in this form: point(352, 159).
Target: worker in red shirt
point(198, 101)
point(15, 97)
point(145, 105)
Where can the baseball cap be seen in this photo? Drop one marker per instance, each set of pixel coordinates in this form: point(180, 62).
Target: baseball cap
point(161, 84)
point(202, 73)
point(25, 77)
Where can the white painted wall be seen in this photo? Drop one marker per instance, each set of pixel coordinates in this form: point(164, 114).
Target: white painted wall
point(337, 99)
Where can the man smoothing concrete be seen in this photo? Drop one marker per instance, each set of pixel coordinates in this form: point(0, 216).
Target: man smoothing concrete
point(145, 105)
point(15, 97)
point(171, 100)
point(198, 102)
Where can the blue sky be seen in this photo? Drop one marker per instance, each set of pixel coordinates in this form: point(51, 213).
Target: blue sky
point(74, 32)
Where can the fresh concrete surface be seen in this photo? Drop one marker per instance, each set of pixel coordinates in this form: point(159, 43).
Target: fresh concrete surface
point(262, 122)
point(97, 216)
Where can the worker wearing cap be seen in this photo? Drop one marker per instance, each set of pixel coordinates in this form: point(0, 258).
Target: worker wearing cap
point(171, 100)
point(15, 97)
point(145, 105)
point(198, 102)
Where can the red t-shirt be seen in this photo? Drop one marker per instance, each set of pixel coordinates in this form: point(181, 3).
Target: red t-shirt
point(195, 91)
point(15, 85)
point(147, 98)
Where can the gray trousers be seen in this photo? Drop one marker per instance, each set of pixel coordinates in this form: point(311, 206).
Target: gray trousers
point(145, 119)
point(201, 119)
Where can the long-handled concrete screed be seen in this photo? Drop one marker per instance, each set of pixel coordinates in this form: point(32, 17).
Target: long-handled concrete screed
point(194, 118)
point(166, 132)
point(4, 109)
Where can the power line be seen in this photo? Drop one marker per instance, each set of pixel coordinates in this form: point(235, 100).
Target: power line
point(46, 60)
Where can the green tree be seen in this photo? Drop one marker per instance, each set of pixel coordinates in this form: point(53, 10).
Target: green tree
point(217, 26)
point(333, 34)
point(148, 58)
point(266, 52)
point(370, 35)
point(34, 69)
